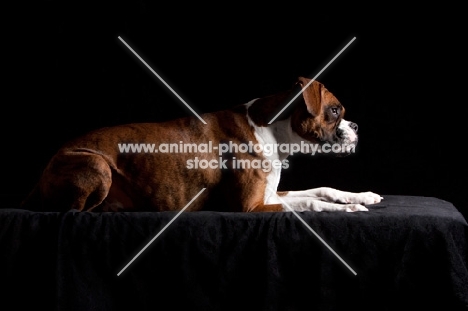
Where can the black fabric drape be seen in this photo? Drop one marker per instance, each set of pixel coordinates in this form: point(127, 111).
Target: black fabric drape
point(407, 252)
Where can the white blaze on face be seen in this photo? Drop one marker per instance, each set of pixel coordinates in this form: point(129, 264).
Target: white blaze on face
point(349, 135)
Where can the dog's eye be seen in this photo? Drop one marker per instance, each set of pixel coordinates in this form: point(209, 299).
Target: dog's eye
point(335, 110)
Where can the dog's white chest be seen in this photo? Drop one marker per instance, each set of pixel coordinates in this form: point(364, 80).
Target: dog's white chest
point(270, 138)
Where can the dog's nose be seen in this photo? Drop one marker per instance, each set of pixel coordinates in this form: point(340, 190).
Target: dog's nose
point(353, 126)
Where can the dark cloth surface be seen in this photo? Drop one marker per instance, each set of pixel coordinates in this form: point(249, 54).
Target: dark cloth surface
point(408, 252)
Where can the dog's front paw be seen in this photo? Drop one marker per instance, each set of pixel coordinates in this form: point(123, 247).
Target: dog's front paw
point(355, 208)
point(364, 198)
point(370, 198)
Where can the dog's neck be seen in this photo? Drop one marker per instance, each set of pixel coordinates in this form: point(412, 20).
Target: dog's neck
point(276, 134)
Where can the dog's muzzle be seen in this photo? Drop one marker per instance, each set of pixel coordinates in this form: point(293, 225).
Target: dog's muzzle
point(347, 136)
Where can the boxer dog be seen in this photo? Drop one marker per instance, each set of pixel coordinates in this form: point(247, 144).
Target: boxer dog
point(99, 172)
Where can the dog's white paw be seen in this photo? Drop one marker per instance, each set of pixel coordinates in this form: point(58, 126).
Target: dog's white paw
point(355, 208)
point(320, 206)
point(370, 198)
point(365, 198)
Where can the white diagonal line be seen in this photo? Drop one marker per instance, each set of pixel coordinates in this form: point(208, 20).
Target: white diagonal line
point(164, 82)
point(315, 233)
point(313, 79)
point(160, 232)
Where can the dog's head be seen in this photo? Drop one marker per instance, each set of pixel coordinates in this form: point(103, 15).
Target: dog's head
point(316, 116)
point(319, 118)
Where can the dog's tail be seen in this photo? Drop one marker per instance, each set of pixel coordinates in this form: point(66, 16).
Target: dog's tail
point(33, 200)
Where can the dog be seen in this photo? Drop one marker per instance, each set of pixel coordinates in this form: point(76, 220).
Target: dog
point(99, 172)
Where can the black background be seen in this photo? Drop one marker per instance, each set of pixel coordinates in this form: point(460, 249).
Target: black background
point(402, 80)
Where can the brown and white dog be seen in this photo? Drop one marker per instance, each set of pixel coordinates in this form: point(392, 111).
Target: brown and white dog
point(94, 173)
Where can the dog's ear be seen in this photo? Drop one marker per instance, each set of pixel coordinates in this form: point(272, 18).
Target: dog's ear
point(312, 95)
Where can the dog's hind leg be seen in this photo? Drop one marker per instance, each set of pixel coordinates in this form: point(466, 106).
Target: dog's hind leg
point(75, 180)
